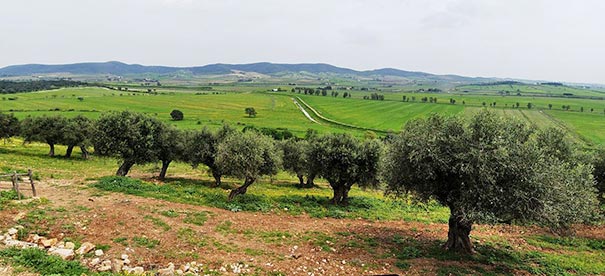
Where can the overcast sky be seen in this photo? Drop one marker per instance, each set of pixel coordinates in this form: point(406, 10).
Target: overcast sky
point(531, 39)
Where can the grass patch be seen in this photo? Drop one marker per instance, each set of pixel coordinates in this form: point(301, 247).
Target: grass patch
point(197, 218)
point(169, 213)
point(121, 240)
point(158, 222)
point(191, 237)
point(280, 198)
point(145, 242)
point(39, 261)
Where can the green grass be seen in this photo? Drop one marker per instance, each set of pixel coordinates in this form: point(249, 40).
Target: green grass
point(145, 242)
point(39, 261)
point(280, 198)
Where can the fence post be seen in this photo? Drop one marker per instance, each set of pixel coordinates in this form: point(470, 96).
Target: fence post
point(16, 181)
point(31, 181)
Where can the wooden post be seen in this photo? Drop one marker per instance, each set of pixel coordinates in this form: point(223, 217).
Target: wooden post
point(14, 180)
point(16, 177)
point(31, 181)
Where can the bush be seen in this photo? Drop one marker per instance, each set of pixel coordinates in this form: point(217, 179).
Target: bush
point(177, 115)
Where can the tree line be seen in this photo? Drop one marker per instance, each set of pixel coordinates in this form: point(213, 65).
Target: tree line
point(488, 169)
point(11, 87)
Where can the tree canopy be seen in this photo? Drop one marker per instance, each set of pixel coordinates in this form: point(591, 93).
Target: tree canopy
point(491, 169)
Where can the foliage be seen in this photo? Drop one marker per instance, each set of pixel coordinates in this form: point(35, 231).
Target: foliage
point(47, 129)
point(133, 137)
point(177, 115)
point(248, 156)
point(250, 111)
point(295, 158)
point(172, 145)
point(39, 261)
point(343, 161)
point(491, 169)
point(78, 131)
point(9, 125)
point(11, 87)
point(202, 148)
point(599, 173)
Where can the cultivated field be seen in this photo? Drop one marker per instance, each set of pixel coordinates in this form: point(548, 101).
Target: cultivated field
point(278, 228)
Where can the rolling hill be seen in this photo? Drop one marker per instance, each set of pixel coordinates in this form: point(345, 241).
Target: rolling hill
point(119, 68)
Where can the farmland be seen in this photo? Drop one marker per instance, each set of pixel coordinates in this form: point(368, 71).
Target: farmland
point(184, 218)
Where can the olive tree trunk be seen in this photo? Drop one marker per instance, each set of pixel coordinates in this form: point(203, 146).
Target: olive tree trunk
point(341, 194)
point(51, 152)
point(124, 168)
point(301, 180)
point(458, 238)
point(70, 149)
point(242, 189)
point(217, 177)
point(165, 164)
point(310, 181)
point(84, 152)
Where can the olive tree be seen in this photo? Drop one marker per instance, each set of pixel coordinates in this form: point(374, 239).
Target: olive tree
point(202, 148)
point(247, 155)
point(132, 137)
point(77, 132)
point(47, 129)
point(171, 147)
point(295, 158)
point(344, 161)
point(488, 170)
point(599, 173)
point(9, 126)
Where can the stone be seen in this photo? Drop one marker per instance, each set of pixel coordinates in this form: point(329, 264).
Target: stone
point(12, 231)
point(104, 268)
point(85, 248)
point(70, 245)
point(124, 257)
point(116, 265)
point(95, 262)
point(19, 216)
point(48, 242)
point(19, 244)
point(64, 253)
point(61, 245)
point(99, 252)
point(169, 271)
point(179, 272)
point(127, 261)
point(137, 270)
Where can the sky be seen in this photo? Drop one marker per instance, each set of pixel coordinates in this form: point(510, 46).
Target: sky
point(529, 39)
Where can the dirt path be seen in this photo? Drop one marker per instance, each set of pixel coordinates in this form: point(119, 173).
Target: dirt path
point(305, 112)
point(155, 232)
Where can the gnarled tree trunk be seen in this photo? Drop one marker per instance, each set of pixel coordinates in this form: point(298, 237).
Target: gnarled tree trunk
point(165, 164)
point(341, 194)
point(242, 189)
point(310, 179)
point(301, 180)
point(51, 153)
point(458, 238)
point(124, 168)
point(84, 152)
point(217, 177)
point(70, 149)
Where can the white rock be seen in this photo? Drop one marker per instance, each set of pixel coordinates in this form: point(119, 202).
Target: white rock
point(124, 257)
point(127, 261)
point(85, 248)
point(95, 261)
point(64, 253)
point(137, 270)
point(70, 245)
point(12, 231)
point(99, 253)
point(104, 268)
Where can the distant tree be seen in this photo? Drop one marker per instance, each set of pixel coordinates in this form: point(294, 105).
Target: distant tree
point(78, 132)
point(250, 111)
point(47, 129)
point(549, 106)
point(202, 148)
point(344, 161)
point(9, 126)
point(591, 110)
point(489, 170)
point(405, 98)
point(581, 109)
point(463, 102)
point(483, 103)
point(247, 155)
point(345, 95)
point(529, 105)
point(177, 115)
point(517, 105)
point(132, 137)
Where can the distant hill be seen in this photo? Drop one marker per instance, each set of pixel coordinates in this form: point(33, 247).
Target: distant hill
point(119, 68)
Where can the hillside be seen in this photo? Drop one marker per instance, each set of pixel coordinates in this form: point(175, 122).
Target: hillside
point(119, 68)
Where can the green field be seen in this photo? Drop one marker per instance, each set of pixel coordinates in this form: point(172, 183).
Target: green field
point(225, 104)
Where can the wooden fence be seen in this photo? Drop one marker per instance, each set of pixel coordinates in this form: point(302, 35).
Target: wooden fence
point(15, 178)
